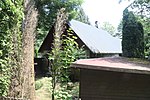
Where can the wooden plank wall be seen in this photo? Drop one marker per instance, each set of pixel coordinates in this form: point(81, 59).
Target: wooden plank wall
point(105, 85)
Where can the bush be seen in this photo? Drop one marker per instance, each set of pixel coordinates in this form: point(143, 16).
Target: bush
point(38, 85)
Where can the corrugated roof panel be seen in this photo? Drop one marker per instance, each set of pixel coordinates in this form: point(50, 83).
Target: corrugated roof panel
point(98, 40)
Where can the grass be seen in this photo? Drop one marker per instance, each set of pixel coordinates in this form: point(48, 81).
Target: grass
point(43, 88)
point(43, 93)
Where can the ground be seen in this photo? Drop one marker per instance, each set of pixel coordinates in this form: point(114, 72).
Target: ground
point(43, 88)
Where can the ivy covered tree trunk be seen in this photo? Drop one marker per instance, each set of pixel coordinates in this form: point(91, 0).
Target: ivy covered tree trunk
point(65, 50)
point(29, 26)
point(133, 36)
point(56, 50)
point(11, 14)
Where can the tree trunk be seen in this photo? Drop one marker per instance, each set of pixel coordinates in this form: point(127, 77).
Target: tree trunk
point(29, 26)
point(59, 29)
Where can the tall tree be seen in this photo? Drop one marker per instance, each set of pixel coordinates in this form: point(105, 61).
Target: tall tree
point(82, 17)
point(56, 64)
point(65, 50)
point(48, 10)
point(146, 23)
point(29, 27)
point(141, 9)
point(143, 15)
point(133, 36)
point(109, 28)
point(119, 29)
point(47, 14)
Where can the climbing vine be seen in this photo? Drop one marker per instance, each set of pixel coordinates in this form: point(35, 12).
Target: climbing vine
point(69, 53)
point(11, 14)
point(65, 50)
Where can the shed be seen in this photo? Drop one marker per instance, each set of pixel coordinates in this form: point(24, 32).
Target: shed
point(95, 40)
point(113, 78)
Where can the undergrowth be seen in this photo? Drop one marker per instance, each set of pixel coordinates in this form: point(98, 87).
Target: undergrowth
point(43, 89)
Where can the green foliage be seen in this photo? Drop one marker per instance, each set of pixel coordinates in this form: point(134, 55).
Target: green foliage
point(133, 36)
point(63, 94)
point(69, 52)
point(68, 91)
point(48, 10)
point(142, 12)
point(82, 17)
point(109, 28)
point(5, 77)
point(74, 89)
point(142, 6)
point(146, 25)
point(11, 15)
point(38, 85)
point(45, 91)
point(47, 15)
point(56, 50)
point(65, 50)
point(119, 29)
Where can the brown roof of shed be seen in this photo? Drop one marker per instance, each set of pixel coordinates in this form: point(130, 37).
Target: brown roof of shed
point(118, 64)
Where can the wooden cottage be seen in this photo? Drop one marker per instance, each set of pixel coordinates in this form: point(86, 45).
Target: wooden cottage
point(113, 79)
point(95, 40)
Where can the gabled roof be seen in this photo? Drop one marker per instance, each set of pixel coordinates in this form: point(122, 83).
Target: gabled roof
point(96, 39)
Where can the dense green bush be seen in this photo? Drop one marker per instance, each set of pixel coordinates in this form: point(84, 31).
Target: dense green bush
point(132, 36)
point(38, 85)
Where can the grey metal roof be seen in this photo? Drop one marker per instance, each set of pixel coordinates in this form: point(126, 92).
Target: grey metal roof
point(96, 39)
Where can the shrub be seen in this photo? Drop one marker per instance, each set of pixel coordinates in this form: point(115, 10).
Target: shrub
point(38, 85)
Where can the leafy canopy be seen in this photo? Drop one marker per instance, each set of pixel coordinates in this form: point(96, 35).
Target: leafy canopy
point(47, 15)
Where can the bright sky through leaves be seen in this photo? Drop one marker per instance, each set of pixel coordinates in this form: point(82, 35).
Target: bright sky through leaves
point(105, 10)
